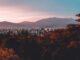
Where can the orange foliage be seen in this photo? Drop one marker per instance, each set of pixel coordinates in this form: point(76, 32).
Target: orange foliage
point(6, 53)
point(65, 33)
point(73, 44)
point(39, 39)
point(53, 36)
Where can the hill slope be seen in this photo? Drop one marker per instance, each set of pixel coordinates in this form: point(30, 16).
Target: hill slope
point(47, 22)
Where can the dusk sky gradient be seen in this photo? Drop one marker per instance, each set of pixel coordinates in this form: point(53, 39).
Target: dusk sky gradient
point(33, 10)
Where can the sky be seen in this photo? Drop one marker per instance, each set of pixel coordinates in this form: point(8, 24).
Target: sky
point(34, 10)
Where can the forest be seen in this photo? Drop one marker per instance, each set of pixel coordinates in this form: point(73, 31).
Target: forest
point(57, 44)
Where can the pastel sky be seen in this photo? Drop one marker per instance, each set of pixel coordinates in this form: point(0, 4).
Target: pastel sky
point(33, 10)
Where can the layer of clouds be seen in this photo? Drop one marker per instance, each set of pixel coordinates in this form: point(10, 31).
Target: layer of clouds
point(20, 10)
point(18, 14)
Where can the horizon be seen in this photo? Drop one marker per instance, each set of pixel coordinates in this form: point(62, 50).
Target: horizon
point(28, 10)
point(38, 20)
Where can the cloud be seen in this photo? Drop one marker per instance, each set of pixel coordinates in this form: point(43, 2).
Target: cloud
point(18, 14)
point(13, 2)
point(17, 11)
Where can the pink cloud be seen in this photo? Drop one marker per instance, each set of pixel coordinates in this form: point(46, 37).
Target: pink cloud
point(21, 13)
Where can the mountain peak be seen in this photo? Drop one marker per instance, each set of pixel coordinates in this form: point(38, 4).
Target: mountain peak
point(46, 22)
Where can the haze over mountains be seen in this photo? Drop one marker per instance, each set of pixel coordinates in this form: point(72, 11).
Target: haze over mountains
point(47, 22)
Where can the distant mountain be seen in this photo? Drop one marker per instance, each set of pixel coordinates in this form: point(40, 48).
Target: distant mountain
point(55, 22)
point(7, 25)
point(47, 22)
point(26, 22)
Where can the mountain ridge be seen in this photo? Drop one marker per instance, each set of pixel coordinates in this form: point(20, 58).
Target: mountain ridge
point(46, 22)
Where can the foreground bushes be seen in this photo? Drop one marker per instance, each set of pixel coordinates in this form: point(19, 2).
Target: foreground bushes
point(8, 54)
point(58, 44)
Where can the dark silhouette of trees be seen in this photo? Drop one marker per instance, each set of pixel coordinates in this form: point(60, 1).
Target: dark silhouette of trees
point(57, 44)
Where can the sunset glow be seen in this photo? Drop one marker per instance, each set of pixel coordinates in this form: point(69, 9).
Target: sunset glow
point(16, 14)
point(22, 10)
